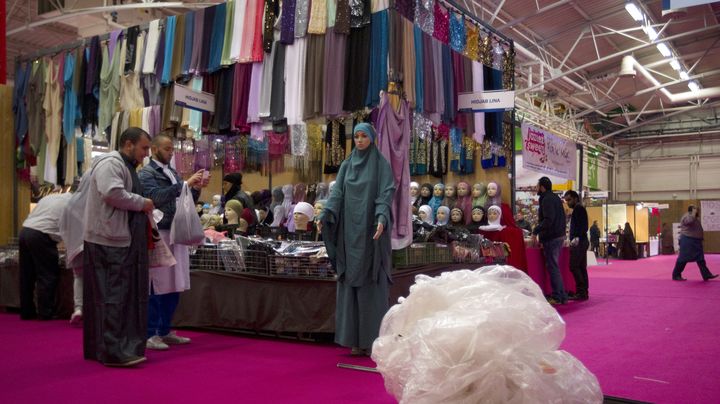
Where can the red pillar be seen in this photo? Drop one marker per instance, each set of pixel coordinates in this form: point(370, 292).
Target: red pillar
point(3, 44)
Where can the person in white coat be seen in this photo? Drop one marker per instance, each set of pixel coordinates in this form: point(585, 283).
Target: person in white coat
point(163, 185)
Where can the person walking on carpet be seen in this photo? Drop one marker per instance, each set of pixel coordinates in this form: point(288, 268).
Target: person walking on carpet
point(691, 248)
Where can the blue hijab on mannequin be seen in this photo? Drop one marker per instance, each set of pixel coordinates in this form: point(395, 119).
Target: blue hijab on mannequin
point(367, 129)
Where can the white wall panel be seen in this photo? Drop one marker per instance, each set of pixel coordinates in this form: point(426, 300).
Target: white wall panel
point(666, 172)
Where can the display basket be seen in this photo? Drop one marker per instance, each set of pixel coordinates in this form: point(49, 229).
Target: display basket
point(478, 250)
point(301, 267)
point(229, 256)
point(421, 254)
point(205, 258)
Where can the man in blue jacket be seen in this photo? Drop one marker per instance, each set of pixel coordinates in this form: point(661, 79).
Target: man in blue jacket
point(551, 232)
point(163, 185)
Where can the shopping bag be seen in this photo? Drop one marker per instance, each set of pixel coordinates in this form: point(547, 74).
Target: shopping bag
point(186, 228)
point(159, 254)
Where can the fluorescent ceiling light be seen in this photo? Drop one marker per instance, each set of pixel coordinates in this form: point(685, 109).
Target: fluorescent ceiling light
point(634, 11)
point(684, 75)
point(664, 50)
point(675, 65)
point(693, 85)
point(651, 33)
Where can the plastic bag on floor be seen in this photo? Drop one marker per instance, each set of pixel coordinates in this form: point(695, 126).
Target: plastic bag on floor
point(479, 336)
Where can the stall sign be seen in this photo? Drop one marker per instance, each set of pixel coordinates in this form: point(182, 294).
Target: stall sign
point(546, 153)
point(486, 101)
point(188, 98)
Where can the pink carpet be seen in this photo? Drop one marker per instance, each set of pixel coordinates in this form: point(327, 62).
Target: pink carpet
point(644, 336)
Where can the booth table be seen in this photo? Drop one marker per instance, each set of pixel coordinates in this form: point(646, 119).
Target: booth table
point(234, 300)
point(539, 273)
point(10, 289)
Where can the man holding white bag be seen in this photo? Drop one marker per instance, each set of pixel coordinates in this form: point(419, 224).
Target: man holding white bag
point(163, 185)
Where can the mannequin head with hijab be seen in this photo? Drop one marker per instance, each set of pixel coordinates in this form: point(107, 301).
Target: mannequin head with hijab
point(303, 214)
point(494, 215)
point(443, 216)
point(425, 214)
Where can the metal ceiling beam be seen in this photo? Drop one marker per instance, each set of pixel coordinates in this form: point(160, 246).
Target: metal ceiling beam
point(660, 86)
point(106, 9)
point(649, 121)
point(534, 14)
point(618, 54)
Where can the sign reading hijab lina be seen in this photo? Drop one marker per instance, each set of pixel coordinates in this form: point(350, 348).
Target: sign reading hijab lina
point(548, 154)
point(189, 98)
point(486, 101)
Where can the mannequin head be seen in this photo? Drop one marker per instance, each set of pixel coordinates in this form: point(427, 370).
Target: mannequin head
point(494, 214)
point(426, 190)
point(206, 208)
point(216, 200)
point(478, 214)
point(450, 190)
point(479, 190)
point(303, 214)
point(492, 190)
point(278, 216)
point(443, 215)
point(425, 214)
point(414, 189)
point(456, 216)
point(233, 211)
point(463, 189)
point(199, 207)
point(439, 190)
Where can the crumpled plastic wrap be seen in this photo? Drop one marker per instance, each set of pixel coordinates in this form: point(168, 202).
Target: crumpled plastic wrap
point(482, 336)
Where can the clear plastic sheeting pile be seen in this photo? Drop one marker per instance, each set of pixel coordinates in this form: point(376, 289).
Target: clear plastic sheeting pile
point(482, 336)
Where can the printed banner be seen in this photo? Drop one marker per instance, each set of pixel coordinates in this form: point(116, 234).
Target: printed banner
point(710, 215)
point(592, 168)
point(548, 154)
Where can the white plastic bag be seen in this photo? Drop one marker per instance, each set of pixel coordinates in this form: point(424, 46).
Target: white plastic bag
point(160, 255)
point(186, 228)
point(482, 336)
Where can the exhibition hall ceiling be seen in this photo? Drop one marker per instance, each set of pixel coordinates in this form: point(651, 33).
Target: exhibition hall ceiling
point(570, 54)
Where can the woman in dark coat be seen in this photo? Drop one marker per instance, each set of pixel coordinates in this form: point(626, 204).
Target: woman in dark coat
point(628, 246)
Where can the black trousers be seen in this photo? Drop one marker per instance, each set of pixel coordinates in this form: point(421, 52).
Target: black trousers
point(115, 302)
point(39, 263)
point(578, 267)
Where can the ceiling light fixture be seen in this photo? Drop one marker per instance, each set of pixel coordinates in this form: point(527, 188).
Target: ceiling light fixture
point(684, 75)
point(651, 33)
point(694, 86)
point(675, 65)
point(664, 50)
point(634, 11)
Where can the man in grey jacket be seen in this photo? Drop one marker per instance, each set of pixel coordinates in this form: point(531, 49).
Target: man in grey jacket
point(116, 256)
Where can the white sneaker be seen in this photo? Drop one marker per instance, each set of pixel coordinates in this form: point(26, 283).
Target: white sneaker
point(76, 318)
point(156, 342)
point(174, 339)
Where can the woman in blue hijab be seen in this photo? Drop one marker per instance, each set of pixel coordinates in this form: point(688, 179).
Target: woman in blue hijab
point(355, 224)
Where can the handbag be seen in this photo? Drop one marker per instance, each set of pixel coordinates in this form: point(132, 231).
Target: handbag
point(159, 255)
point(186, 228)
